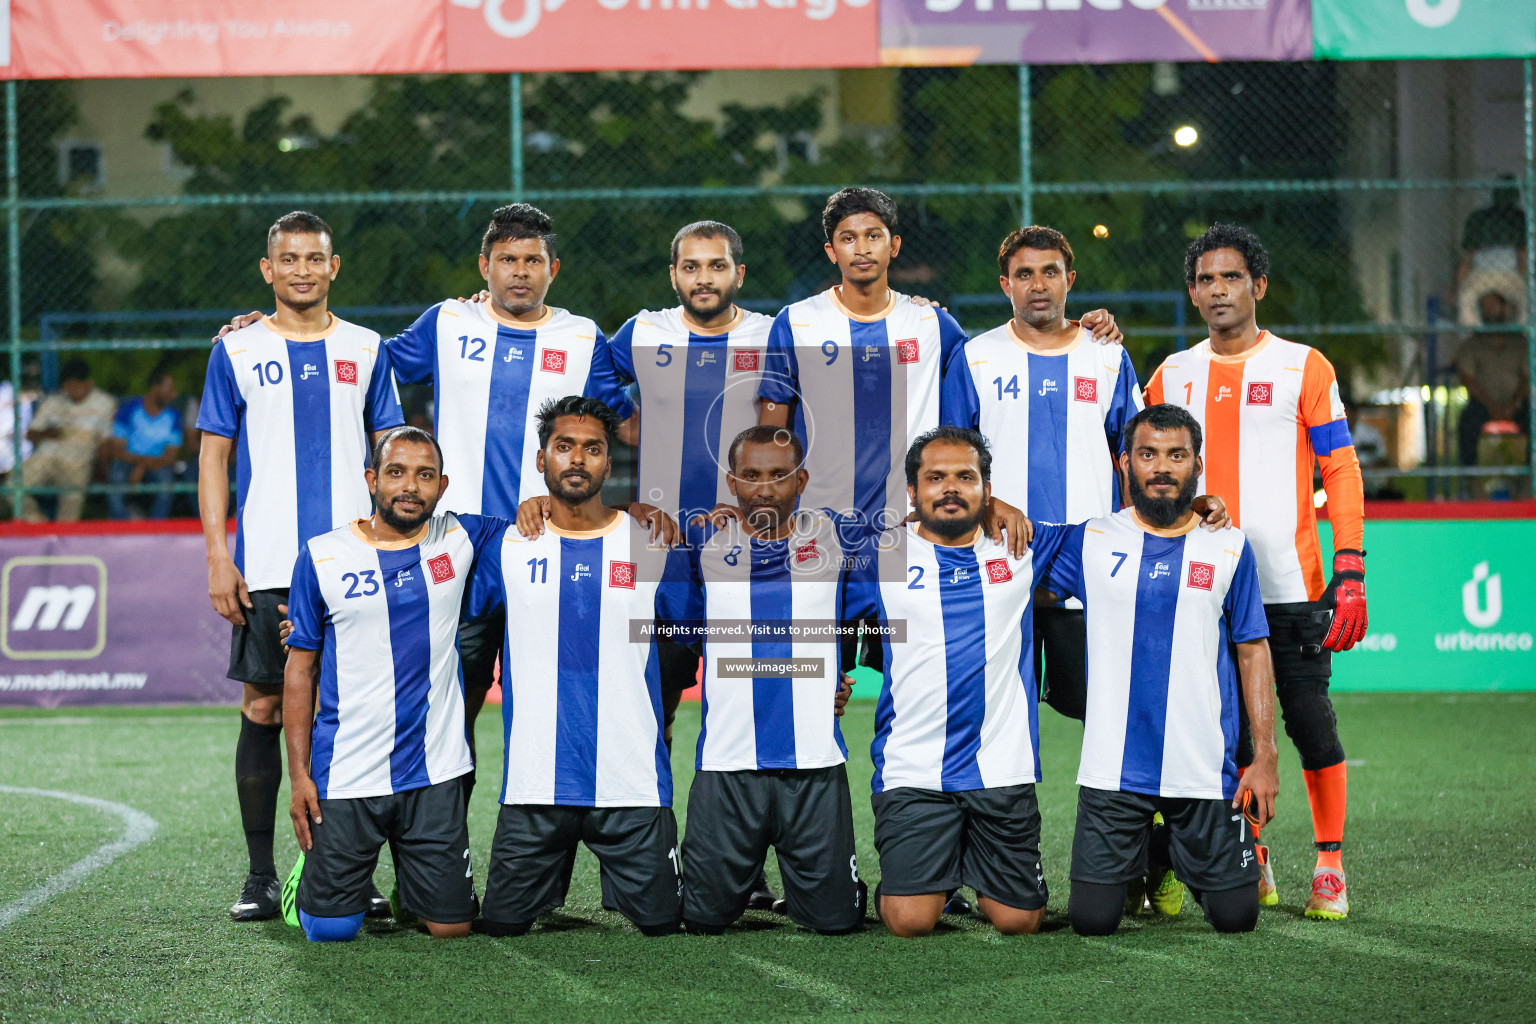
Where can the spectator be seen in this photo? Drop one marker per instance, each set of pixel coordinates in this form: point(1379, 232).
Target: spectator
point(1493, 255)
point(1494, 369)
point(146, 444)
point(68, 430)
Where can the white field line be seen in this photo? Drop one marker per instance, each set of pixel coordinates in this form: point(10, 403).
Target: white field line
point(138, 828)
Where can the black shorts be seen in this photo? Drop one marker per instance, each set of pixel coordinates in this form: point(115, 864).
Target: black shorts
point(679, 666)
point(534, 851)
point(479, 647)
point(428, 838)
point(1061, 657)
point(1210, 844)
point(988, 839)
point(806, 815)
point(863, 647)
point(256, 648)
point(1296, 633)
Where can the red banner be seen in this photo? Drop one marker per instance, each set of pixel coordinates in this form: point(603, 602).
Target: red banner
point(182, 38)
point(622, 35)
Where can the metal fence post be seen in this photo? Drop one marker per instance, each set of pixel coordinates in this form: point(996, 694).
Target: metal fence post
point(515, 117)
point(1529, 194)
point(1026, 169)
point(13, 284)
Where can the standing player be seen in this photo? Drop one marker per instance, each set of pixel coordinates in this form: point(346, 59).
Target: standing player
point(1269, 406)
point(956, 730)
point(771, 768)
point(1061, 401)
point(375, 611)
point(295, 396)
point(585, 757)
point(1164, 601)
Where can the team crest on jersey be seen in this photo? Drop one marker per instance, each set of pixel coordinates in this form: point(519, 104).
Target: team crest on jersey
point(998, 571)
point(441, 568)
point(554, 361)
point(1085, 389)
point(906, 350)
point(346, 372)
point(745, 361)
point(1261, 392)
point(805, 552)
point(1202, 575)
point(621, 574)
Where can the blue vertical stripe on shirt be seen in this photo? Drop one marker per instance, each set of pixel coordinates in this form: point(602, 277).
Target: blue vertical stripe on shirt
point(577, 664)
point(965, 662)
point(410, 623)
point(1157, 601)
point(506, 416)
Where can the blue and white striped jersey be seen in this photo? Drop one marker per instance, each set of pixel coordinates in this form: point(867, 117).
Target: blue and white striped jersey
point(1163, 692)
point(489, 376)
point(764, 722)
point(866, 388)
point(1054, 418)
point(385, 619)
point(958, 708)
point(698, 391)
point(581, 693)
point(300, 411)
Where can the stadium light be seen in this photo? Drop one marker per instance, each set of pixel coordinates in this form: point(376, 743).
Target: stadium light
point(1185, 135)
point(1100, 231)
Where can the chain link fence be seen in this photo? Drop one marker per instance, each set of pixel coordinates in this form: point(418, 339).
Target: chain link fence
point(136, 211)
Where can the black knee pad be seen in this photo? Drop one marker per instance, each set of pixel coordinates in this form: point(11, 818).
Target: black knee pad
point(1232, 910)
point(502, 930)
point(1310, 722)
point(1095, 909)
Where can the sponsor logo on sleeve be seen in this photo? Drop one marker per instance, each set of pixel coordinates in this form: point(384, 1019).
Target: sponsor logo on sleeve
point(554, 361)
point(621, 574)
point(346, 372)
point(1202, 575)
point(998, 570)
point(906, 350)
point(1085, 389)
point(441, 568)
point(1261, 392)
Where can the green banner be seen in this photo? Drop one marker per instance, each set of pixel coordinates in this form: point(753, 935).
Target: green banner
point(1390, 29)
point(1452, 606)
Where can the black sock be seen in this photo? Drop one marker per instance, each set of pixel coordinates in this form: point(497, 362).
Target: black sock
point(258, 775)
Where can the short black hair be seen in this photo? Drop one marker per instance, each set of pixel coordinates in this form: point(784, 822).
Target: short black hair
point(410, 435)
point(1227, 236)
point(301, 222)
point(708, 229)
point(163, 369)
point(576, 405)
point(962, 435)
point(518, 220)
point(1163, 417)
point(764, 434)
point(1036, 236)
point(75, 369)
point(844, 203)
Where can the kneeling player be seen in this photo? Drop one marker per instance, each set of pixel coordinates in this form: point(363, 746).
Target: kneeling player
point(585, 757)
point(1163, 603)
point(375, 612)
point(771, 759)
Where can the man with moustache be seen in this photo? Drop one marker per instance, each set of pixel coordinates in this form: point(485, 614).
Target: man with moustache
point(375, 613)
point(1165, 605)
point(771, 759)
point(585, 756)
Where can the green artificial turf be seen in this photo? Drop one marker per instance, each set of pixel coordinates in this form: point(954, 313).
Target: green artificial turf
point(1439, 856)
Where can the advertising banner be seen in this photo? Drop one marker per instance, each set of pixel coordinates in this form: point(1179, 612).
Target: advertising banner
point(1389, 29)
point(181, 38)
point(1092, 31)
point(1452, 606)
point(628, 35)
point(117, 619)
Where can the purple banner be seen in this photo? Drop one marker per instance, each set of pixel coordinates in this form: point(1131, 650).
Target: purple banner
point(109, 619)
point(918, 32)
